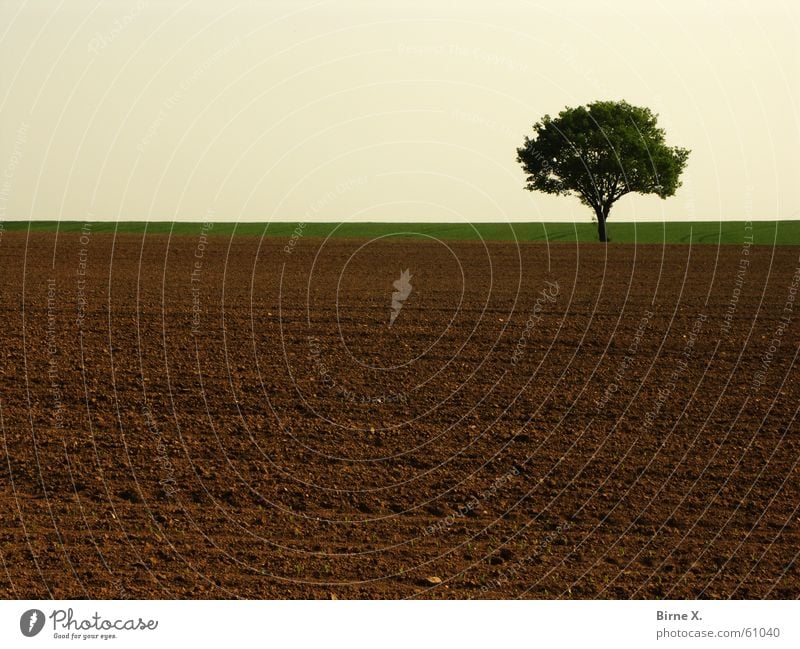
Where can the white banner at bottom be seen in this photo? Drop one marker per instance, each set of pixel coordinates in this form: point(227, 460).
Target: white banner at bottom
point(380, 624)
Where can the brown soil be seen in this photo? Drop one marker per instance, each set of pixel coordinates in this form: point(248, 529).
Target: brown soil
point(289, 443)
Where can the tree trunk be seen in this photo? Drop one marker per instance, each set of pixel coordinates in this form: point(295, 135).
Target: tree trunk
point(602, 215)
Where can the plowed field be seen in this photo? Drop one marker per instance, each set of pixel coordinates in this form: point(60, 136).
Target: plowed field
point(207, 417)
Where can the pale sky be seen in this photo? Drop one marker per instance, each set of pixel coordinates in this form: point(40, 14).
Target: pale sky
point(375, 110)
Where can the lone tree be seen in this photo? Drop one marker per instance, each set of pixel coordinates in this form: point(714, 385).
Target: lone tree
point(600, 152)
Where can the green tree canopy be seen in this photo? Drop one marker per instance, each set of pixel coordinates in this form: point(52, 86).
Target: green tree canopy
point(599, 153)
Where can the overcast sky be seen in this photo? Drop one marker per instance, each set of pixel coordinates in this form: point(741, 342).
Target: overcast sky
point(379, 110)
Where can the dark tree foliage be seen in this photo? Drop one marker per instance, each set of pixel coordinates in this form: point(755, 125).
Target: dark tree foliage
point(600, 152)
